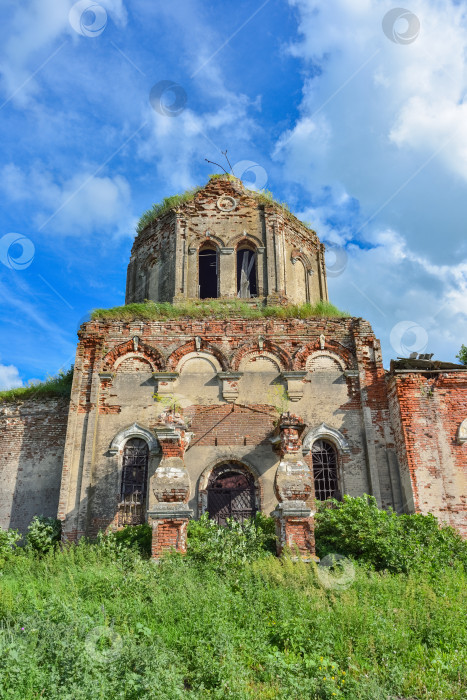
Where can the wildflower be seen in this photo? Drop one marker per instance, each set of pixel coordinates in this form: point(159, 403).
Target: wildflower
point(332, 678)
point(22, 629)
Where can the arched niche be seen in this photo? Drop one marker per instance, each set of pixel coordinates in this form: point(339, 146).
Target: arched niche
point(324, 361)
point(198, 382)
point(260, 382)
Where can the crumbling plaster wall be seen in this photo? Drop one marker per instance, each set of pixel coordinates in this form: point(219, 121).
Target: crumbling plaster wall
point(246, 361)
point(224, 214)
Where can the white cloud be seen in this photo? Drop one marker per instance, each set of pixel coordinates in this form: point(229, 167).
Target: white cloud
point(78, 205)
point(380, 146)
point(9, 377)
point(34, 30)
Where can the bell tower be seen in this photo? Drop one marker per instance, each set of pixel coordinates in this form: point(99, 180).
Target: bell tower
point(227, 242)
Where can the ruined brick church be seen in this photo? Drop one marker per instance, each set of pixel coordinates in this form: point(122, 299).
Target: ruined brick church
point(175, 417)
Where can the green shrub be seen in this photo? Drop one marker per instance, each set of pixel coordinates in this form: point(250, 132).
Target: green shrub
point(43, 534)
point(8, 540)
point(231, 545)
point(357, 528)
point(137, 537)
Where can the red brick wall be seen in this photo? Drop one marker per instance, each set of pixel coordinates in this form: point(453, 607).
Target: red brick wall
point(32, 441)
point(427, 411)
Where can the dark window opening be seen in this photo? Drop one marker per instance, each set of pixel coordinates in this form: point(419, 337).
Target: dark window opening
point(231, 494)
point(208, 273)
point(134, 483)
point(246, 273)
point(325, 470)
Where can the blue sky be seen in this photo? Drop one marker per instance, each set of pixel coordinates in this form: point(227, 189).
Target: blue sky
point(361, 127)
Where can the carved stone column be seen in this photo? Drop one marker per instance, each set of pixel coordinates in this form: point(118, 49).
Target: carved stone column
point(294, 486)
point(171, 486)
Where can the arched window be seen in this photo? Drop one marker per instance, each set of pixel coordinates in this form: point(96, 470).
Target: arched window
point(231, 493)
point(246, 272)
point(208, 272)
point(134, 482)
point(325, 470)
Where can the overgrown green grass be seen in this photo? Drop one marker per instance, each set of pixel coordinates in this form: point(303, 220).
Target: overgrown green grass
point(215, 308)
point(59, 385)
point(163, 207)
point(90, 623)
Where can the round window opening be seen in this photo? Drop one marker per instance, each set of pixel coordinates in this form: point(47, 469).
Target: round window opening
point(231, 494)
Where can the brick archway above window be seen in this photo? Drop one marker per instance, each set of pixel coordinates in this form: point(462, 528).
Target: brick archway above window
point(325, 432)
point(134, 431)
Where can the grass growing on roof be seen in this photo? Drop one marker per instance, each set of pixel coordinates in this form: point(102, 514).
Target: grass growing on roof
point(162, 207)
point(215, 308)
point(60, 385)
point(168, 203)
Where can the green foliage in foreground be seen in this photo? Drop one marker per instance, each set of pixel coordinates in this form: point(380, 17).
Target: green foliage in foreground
point(357, 528)
point(462, 356)
point(97, 622)
point(43, 533)
point(59, 385)
point(215, 308)
point(234, 545)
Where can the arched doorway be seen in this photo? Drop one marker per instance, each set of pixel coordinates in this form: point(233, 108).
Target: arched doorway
point(324, 457)
point(134, 482)
point(231, 493)
point(208, 272)
point(246, 272)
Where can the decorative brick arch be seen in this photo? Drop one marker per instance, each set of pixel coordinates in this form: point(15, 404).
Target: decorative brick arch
point(268, 349)
point(138, 350)
point(332, 349)
point(252, 241)
point(218, 461)
point(194, 346)
point(298, 255)
point(325, 432)
point(198, 242)
point(134, 431)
